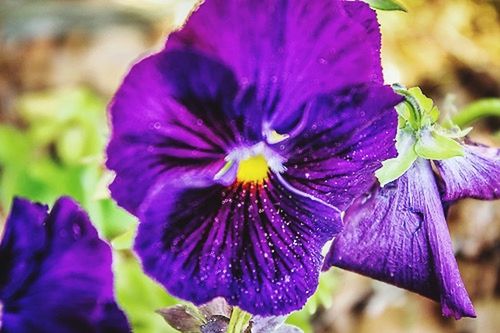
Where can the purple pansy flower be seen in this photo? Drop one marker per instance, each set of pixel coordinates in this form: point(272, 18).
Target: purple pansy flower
point(240, 143)
point(55, 273)
point(398, 233)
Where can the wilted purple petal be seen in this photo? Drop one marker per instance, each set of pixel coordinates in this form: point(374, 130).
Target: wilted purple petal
point(398, 235)
point(258, 246)
point(181, 317)
point(66, 285)
point(474, 175)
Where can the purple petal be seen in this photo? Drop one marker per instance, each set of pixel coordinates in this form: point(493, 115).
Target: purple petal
point(398, 234)
point(170, 117)
point(343, 142)
point(474, 175)
point(290, 51)
point(367, 18)
point(22, 244)
point(258, 246)
point(70, 286)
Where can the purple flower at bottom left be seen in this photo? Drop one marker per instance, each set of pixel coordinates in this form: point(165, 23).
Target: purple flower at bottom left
point(55, 273)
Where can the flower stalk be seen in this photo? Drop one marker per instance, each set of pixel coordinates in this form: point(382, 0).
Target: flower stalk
point(488, 107)
point(239, 320)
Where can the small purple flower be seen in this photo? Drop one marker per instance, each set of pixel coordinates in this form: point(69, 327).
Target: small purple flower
point(238, 145)
point(398, 233)
point(55, 273)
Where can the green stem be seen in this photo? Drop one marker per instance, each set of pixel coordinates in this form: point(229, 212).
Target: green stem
point(239, 320)
point(483, 108)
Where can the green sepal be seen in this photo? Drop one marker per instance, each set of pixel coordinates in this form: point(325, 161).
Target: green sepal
point(453, 133)
point(432, 145)
point(394, 168)
point(406, 115)
point(386, 5)
point(426, 104)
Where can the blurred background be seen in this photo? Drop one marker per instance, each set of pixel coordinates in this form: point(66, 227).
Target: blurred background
point(61, 61)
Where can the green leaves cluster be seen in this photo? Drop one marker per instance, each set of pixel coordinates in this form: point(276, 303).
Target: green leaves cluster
point(55, 148)
point(419, 135)
point(386, 5)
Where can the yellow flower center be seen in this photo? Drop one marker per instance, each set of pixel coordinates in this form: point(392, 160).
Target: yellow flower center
point(253, 169)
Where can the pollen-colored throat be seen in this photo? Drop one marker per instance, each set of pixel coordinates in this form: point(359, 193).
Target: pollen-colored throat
point(253, 169)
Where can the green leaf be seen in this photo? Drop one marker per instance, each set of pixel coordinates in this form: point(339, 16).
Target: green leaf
point(125, 240)
point(139, 296)
point(386, 5)
point(239, 320)
point(323, 297)
point(71, 145)
point(434, 146)
point(394, 168)
point(14, 146)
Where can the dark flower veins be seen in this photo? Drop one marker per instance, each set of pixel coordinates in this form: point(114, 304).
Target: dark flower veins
point(239, 144)
point(55, 273)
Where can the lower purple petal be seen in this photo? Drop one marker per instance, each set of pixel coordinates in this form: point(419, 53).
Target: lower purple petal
point(258, 246)
point(398, 234)
point(474, 175)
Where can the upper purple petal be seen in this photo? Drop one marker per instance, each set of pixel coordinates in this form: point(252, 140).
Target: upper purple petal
point(398, 234)
point(290, 51)
point(345, 138)
point(258, 246)
point(474, 175)
point(68, 285)
point(170, 116)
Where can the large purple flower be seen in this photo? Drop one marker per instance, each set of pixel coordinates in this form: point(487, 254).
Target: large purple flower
point(238, 145)
point(398, 233)
point(55, 273)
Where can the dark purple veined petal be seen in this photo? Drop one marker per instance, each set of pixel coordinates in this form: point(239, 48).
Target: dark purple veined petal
point(474, 175)
point(21, 245)
point(398, 235)
point(344, 139)
point(258, 246)
point(170, 116)
point(290, 51)
point(68, 285)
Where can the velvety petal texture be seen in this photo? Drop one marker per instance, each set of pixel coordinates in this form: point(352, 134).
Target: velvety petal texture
point(171, 116)
point(238, 145)
point(398, 234)
point(290, 51)
point(344, 138)
point(474, 175)
point(257, 246)
point(55, 273)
